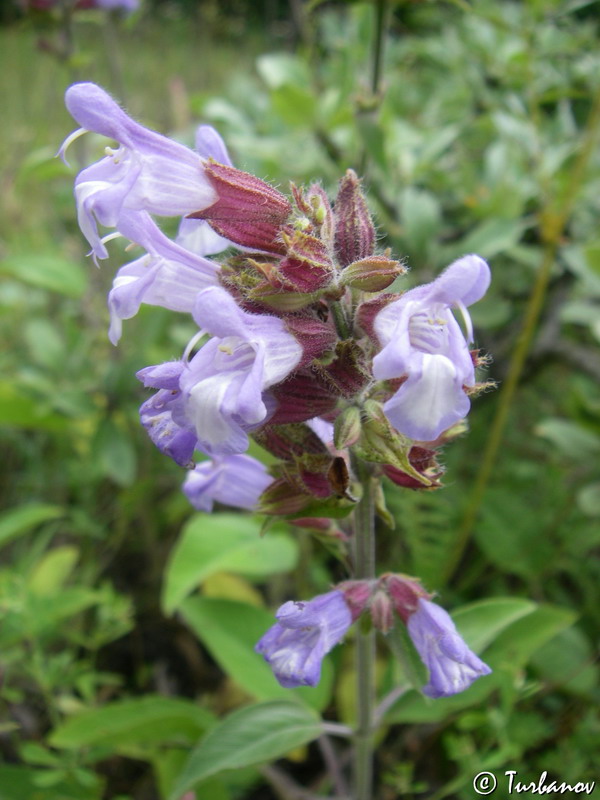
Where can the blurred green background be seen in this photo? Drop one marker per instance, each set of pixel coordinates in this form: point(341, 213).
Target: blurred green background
point(481, 136)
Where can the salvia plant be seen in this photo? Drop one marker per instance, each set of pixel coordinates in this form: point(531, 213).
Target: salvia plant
point(304, 346)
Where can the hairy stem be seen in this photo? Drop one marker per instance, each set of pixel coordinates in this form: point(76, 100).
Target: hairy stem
point(364, 567)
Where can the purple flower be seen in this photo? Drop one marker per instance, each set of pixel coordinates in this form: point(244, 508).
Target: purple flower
point(225, 384)
point(148, 172)
point(304, 633)
point(125, 5)
point(421, 341)
point(452, 666)
point(164, 414)
point(237, 480)
point(168, 275)
point(196, 234)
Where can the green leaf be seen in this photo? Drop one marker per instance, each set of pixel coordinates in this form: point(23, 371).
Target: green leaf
point(251, 735)
point(568, 662)
point(480, 623)
point(421, 219)
point(52, 570)
point(20, 783)
point(151, 719)
point(489, 238)
point(230, 630)
point(402, 647)
point(295, 105)
point(115, 453)
point(46, 271)
point(46, 612)
point(282, 69)
point(18, 521)
point(569, 438)
point(24, 411)
point(212, 543)
point(517, 643)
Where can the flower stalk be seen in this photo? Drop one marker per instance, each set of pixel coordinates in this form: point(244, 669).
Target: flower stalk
point(364, 568)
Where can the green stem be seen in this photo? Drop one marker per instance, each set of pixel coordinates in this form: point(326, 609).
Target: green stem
point(340, 320)
point(364, 568)
point(552, 224)
point(380, 14)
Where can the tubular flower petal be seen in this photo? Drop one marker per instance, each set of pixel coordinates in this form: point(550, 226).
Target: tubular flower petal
point(304, 633)
point(452, 666)
point(196, 234)
point(237, 480)
point(168, 275)
point(148, 172)
point(226, 382)
point(422, 342)
point(164, 414)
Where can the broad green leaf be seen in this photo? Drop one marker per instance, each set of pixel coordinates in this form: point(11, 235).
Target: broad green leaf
point(569, 438)
point(414, 670)
point(46, 271)
point(295, 105)
point(24, 411)
point(480, 623)
point(421, 219)
point(52, 570)
point(567, 661)
point(414, 707)
point(282, 69)
point(211, 543)
point(230, 630)
point(20, 783)
point(152, 719)
point(18, 521)
point(489, 238)
point(251, 735)
point(517, 643)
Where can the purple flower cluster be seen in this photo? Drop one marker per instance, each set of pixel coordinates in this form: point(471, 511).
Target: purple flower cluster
point(298, 346)
point(305, 632)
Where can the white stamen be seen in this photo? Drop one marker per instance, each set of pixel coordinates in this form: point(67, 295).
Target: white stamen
point(110, 236)
point(191, 344)
point(68, 142)
point(466, 319)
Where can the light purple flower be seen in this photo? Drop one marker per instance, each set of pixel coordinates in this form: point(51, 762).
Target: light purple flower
point(225, 384)
point(168, 275)
point(164, 414)
point(452, 666)
point(125, 5)
point(304, 633)
point(196, 234)
point(148, 172)
point(237, 480)
point(420, 339)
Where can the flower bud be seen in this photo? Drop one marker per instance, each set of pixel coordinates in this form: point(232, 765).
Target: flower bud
point(404, 593)
point(354, 230)
point(346, 430)
point(372, 274)
point(382, 611)
point(381, 443)
point(424, 462)
point(307, 266)
point(248, 211)
point(356, 595)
